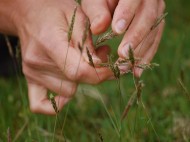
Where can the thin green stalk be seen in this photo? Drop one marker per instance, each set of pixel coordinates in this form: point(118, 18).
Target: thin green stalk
point(116, 72)
point(115, 118)
point(64, 122)
point(120, 107)
point(115, 127)
point(149, 120)
point(69, 35)
point(15, 64)
point(111, 119)
point(136, 116)
point(85, 34)
point(184, 88)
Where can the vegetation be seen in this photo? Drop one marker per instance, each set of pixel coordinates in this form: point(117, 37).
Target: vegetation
point(93, 115)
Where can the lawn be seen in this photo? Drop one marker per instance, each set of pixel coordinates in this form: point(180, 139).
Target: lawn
point(166, 116)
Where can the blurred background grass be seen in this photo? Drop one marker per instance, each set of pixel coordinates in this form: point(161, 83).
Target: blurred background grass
point(87, 120)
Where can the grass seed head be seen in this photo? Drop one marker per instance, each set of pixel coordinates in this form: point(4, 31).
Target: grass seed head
point(131, 56)
point(147, 66)
point(107, 36)
point(86, 32)
point(69, 34)
point(53, 102)
point(90, 57)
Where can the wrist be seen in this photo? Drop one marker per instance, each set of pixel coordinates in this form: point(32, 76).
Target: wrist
point(12, 15)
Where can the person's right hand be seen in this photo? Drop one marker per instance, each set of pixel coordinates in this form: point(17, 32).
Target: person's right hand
point(134, 19)
point(42, 27)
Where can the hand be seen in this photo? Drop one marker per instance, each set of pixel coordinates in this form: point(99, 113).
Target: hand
point(137, 17)
point(42, 27)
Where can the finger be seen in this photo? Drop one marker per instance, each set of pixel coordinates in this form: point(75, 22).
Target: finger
point(140, 51)
point(112, 5)
point(81, 35)
point(52, 80)
point(39, 102)
point(75, 68)
point(123, 15)
point(152, 51)
point(98, 13)
point(144, 46)
point(161, 7)
point(140, 27)
point(149, 39)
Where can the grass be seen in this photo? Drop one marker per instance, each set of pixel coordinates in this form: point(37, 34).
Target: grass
point(166, 101)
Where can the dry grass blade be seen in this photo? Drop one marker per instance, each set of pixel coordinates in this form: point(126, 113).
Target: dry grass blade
point(53, 102)
point(9, 46)
point(107, 36)
point(48, 134)
point(184, 88)
point(158, 21)
point(8, 135)
point(140, 85)
point(149, 120)
point(21, 130)
point(136, 94)
point(128, 106)
point(69, 35)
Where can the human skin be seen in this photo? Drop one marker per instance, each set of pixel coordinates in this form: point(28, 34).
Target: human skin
point(42, 28)
point(135, 16)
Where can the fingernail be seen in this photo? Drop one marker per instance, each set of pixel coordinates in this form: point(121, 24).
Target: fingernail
point(125, 50)
point(120, 26)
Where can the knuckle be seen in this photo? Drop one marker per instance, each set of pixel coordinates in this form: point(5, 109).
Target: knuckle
point(80, 16)
point(138, 36)
point(29, 59)
point(30, 56)
point(152, 15)
point(127, 13)
point(70, 72)
point(81, 73)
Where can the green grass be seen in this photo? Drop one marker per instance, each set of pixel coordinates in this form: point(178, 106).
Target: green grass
point(165, 100)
